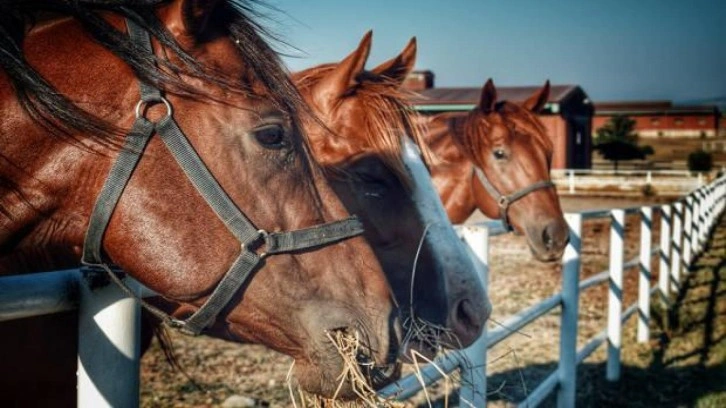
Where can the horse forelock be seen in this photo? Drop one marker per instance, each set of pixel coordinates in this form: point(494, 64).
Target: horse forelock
point(479, 130)
point(527, 121)
point(55, 112)
point(389, 119)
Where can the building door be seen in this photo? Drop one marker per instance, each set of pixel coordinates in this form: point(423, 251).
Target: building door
point(579, 143)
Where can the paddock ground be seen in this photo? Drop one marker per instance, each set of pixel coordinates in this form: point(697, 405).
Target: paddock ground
point(684, 364)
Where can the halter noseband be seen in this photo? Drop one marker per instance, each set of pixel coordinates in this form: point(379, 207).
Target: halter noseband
point(504, 201)
point(252, 239)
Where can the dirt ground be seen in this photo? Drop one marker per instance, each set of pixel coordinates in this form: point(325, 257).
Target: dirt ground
point(218, 373)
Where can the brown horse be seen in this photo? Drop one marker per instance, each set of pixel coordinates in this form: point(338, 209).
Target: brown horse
point(378, 172)
point(227, 115)
point(496, 158)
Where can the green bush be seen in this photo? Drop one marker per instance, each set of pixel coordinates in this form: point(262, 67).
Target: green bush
point(700, 160)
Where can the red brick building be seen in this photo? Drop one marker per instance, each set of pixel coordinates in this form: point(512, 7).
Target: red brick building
point(567, 115)
point(661, 119)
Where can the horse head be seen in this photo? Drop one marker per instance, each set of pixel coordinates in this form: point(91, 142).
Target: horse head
point(511, 156)
point(366, 140)
point(210, 78)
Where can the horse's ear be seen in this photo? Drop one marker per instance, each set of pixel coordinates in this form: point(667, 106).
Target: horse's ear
point(195, 15)
point(539, 99)
point(488, 97)
point(341, 79)
point(400, 66)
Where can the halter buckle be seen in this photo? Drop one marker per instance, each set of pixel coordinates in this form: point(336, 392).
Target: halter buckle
point(503, 202)
point(262, 239)
point(175, 323)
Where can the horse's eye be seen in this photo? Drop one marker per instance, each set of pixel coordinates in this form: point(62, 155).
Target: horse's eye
point(270, 136)
point(371, 186)
point(500, 154)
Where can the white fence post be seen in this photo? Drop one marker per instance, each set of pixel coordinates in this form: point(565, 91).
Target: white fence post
point(474, 376)
point(718, 195)
point(571, 181)
point(700, 220)
point(707, 214)
point(687, 231)
point(108, 345)
point(695, 224)
point(615, 296)
point(664, 251)
point(646, 222)
point(676, 249)
point(570, 302)
point(703, 218)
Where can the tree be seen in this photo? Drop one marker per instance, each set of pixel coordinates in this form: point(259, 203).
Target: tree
point(700, 160)
point(617, 141)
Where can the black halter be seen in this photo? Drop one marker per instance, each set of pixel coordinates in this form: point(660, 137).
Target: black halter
point(252, 239)
point(504, 201)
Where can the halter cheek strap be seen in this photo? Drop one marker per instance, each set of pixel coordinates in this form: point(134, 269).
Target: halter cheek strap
point(504, 201)
point(255, 244)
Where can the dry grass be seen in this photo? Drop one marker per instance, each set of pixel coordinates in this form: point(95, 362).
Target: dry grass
point(349, 349)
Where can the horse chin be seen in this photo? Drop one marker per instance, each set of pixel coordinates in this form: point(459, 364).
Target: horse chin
point(540, 253)
point(325, 375)
point(341, 354)
point(544, 256)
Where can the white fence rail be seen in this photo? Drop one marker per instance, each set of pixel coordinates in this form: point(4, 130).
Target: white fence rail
point(670, 182)
point(108, 359)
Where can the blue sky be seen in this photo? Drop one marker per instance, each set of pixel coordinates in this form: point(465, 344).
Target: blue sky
point(614, 49)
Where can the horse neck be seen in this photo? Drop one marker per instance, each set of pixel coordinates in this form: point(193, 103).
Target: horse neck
point(44, 198)
point(48, 182)
point(451, 172)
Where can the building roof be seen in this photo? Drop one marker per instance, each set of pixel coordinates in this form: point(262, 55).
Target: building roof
point(651, 108)
point(464, 99)
point(470, 96)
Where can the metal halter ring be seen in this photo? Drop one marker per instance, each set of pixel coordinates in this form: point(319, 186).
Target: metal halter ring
point(262, 239)
point(143, 103)
point(503, 202)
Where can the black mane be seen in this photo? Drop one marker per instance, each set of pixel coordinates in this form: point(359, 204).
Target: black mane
point(60, 115)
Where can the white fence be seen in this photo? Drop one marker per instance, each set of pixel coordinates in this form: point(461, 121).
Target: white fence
point(108, 329)
point(685, 228)
point(663, 182)
point(108, 356)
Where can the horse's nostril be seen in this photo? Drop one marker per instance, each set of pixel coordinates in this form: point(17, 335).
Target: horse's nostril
point(547, 239)
point(468, 321)
point(465, 313)
point(555, 237)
